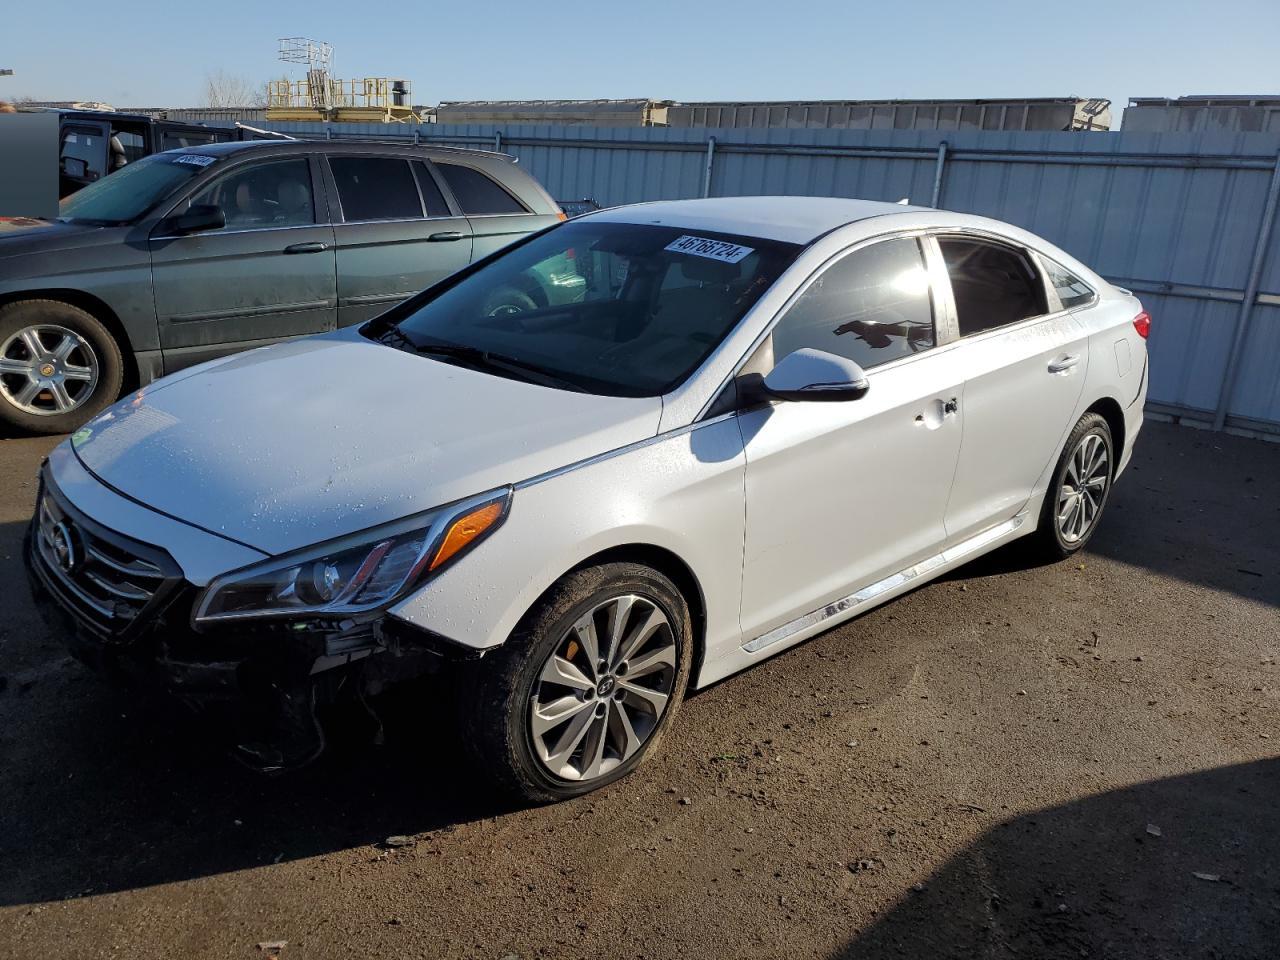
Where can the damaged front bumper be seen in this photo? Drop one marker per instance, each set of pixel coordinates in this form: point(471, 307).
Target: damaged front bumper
point(123, 608)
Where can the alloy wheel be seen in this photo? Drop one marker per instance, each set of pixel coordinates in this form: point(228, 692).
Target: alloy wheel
point(47, 370)
point(1084, 487)
point(604, 688)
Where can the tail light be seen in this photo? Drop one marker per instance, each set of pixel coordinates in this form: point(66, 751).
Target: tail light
point(1142, 323)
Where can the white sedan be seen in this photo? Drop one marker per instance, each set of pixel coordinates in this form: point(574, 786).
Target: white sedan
point(688, 436)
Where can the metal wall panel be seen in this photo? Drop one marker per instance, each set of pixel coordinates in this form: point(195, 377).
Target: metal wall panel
point(1174, 216)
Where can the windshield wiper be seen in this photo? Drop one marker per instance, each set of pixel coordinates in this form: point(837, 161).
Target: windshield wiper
point(487, 359)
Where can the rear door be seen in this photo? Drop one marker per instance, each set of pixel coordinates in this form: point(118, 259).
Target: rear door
point(496, 215)
point(395, 232)
point(268, 274)
point(1024, 369)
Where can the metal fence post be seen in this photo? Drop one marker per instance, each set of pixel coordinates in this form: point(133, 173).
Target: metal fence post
point(497, 141)
point(1250, 295)
point(711, 159)
point(328, 132)
point(938, 169)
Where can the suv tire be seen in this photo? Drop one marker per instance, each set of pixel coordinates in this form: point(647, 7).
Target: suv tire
point(58, 366)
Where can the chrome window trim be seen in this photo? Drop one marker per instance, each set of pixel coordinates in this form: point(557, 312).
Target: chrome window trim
point(232, 233)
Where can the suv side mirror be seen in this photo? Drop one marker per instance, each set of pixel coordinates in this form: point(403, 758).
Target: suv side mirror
point(198, 217)
point(811, 374)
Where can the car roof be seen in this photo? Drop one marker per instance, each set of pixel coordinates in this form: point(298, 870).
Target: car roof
point(789, 219)
point(279, 145)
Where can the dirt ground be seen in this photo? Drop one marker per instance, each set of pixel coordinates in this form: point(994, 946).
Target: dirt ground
point(1079, 760)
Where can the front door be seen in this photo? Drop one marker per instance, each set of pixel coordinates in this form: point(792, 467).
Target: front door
point(842, 495)
point(1024, 372)
point(268, 274)
point(396, 235)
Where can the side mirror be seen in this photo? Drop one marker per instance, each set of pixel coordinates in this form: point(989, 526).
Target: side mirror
point(810, 374)
point(198, 217)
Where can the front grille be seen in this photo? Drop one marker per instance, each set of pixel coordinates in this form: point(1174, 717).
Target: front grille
point(105, 579)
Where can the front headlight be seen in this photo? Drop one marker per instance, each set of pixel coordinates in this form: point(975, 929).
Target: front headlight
point(354, 574)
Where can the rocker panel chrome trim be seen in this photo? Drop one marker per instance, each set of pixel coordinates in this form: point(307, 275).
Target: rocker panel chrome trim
point(866, 594)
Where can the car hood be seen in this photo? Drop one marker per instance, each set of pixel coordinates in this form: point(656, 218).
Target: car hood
point(289, 445)
point(24, 235)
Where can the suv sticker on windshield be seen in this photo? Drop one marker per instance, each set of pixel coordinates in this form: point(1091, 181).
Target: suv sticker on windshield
point(194, 159)
point(720, 250)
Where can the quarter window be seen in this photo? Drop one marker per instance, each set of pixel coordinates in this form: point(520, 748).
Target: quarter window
point(376, 188)
point(1071, 290)
point(263, 195)
point(993, 285)
point(871, 307)
point(477, 194)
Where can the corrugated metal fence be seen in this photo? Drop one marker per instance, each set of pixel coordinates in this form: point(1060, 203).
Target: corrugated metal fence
point(1184, 220)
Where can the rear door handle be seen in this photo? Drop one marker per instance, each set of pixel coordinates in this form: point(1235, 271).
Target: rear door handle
point(315, 247)
point(446, 236)
point(1063, 364)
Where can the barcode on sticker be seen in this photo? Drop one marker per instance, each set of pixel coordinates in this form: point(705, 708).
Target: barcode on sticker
point(720, 250)
point(195, 159)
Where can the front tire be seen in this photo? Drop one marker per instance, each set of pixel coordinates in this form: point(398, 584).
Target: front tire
point(1078, 492)
point(584, 688)
point(58, 366)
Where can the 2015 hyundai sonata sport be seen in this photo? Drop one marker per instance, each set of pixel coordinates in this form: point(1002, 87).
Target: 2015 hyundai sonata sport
point(693, 434)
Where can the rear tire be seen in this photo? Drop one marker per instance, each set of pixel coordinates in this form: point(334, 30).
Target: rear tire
point(59, 366)
point(1078, 491)
point(546, 717)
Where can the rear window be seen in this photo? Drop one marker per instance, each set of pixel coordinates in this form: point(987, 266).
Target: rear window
point(476, 193)
point(993, 285)
point(376, 188)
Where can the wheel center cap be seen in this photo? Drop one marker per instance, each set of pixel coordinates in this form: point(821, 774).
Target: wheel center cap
point(605, 686)
point(46, 370)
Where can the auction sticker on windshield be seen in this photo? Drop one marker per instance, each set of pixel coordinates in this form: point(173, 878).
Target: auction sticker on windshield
point(720, 250)
point(195, 159)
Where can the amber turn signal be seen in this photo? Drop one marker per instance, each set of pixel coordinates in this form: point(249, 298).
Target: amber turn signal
point(466, 530)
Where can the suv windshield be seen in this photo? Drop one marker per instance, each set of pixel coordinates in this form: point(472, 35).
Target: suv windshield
point(133, 190)
point(611, 308)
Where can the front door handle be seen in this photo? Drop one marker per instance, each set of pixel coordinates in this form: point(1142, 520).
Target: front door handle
point(446, 236)
point(1063, 364)
point(315, 247)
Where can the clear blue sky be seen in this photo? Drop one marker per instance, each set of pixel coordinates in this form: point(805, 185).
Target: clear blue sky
point(140, 53)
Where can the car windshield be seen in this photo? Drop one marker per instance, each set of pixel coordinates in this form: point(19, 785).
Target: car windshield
point(133, 190)
point(610, 308)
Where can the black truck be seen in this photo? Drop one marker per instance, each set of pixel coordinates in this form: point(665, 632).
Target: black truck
point(94, 143)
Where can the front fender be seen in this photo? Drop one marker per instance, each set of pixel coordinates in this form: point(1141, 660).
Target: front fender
point(682, 492)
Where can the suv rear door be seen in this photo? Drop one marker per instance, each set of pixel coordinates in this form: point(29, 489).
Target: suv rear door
point(396, 234)
point(268, 274)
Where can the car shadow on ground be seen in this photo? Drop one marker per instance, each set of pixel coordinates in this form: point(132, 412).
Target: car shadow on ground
point(1193, 506)
point(1187, 866)
point(139, 794)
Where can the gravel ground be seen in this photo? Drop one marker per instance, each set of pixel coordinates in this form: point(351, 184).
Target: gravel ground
point(1077, 760)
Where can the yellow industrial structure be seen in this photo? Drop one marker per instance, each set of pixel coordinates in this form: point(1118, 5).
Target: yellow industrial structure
point(321, 97)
